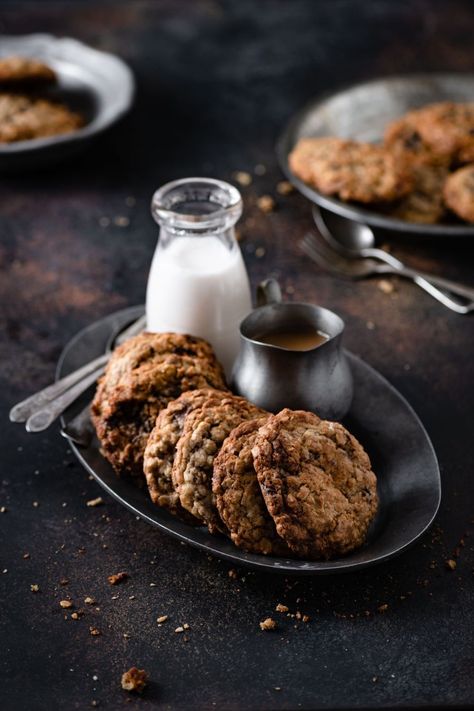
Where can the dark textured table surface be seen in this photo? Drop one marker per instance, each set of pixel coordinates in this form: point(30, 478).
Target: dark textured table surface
point(217, 80)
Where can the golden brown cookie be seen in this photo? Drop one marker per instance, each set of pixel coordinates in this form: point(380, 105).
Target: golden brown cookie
point(355, 171)
point(238, 497)
point(161, 447)
point(142, 377)
point(16, 70)
point(23, 118)
point(203, 434)
point(425, 203)
point(317, 483)
point(459, 192)
point(445, 128)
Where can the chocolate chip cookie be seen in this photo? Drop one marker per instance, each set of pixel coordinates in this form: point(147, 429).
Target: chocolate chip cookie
point(238, 496)
point(142, 377)
point(425, 203)
point(361, 172)
point(204, 432)
point(25, 70)
point(26, 117)
point(317, 483)
point(161, 447)
point(446, 129)
point(459, 192)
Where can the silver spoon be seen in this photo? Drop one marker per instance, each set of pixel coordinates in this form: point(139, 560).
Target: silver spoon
point(354, 239)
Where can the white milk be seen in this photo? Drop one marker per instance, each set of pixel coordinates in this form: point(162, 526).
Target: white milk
point(198, 285)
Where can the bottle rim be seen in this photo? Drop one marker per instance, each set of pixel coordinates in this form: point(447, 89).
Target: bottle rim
point(226, 197)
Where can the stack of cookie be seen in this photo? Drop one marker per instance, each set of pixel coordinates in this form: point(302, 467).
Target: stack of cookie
point(25, 112)
point(424, 167)
point(285, 484)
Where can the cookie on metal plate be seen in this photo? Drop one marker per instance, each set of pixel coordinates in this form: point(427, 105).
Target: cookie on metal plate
point(459, 192)
point(15, 70)
point(317, 483)
point(204, 432)
point(238, 496)
point(161, 447)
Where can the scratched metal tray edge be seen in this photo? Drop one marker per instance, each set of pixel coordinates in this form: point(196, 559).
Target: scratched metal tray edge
point(134, 499)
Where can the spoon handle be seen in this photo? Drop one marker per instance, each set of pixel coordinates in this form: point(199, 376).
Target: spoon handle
point(454, 287)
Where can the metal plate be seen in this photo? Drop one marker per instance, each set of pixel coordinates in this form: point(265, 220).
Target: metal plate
point(401, 453)
point(97, 84)
point(362, 113)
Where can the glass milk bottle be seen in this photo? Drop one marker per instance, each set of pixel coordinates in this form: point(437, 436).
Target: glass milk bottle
point(198, 283)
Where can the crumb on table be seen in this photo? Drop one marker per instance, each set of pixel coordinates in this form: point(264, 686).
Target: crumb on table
point(268, 624)
point(117, 578)
point(134, 680)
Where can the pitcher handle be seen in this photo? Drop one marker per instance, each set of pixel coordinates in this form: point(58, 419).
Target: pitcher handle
point(269, 292)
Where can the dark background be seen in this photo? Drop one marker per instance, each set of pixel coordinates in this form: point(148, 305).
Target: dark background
point(217, 80)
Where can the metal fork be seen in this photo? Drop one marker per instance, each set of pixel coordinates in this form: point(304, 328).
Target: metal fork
point(362, 268)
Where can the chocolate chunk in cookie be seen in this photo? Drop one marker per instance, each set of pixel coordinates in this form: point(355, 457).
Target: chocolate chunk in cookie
point(203, 434)
point(238, 497)
point(161, 447)
point(459, 192)
point(16, 70)
point(355, 171)
point(142, 377)
point(317, 483)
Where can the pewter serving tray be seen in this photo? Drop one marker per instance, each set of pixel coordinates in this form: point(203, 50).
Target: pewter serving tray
point(361, 112)
point(398, 445)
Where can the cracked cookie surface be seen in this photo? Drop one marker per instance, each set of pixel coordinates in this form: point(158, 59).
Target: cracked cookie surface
point(317, 483)
point(204, 432)
point(362, 172)
point(161, 447)
point(238, 496)
point(142, 377)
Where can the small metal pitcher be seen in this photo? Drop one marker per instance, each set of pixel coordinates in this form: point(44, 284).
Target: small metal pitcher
point(274, 377)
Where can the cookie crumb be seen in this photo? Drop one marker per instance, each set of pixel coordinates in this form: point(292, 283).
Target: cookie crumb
point(35, 504)
point(281, 608)
point(185, 626)
point(134, 680)
point(178, 630)
point(284, 187)
point(383, 608)
point(162, 619)
point(306, 618)
point(26, 556)
point(117, 578)
point(89, 600)
point(75, 615)
point(3, 509)
point(277, 688)
point(260, 252)
point(95, 502)
point(232, 574)
point(451, 564)
point(34, 588)
point(64, 581)
point(242, 178)
point(65, 603)
point(386, 286)
point(94, 631)
point(266, 203)
point(121, 221)
point(268, 624)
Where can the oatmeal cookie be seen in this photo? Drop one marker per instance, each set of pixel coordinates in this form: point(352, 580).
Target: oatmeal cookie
point(317, 483)
point(161, 447)
point(203, 434)
point(445, 128)
point(142, 377)
point(25, 70)
point(24, 117)
point(459, 192)
point(355, 171)
point(238, 497)
point(404, 140)
point(425, 203)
